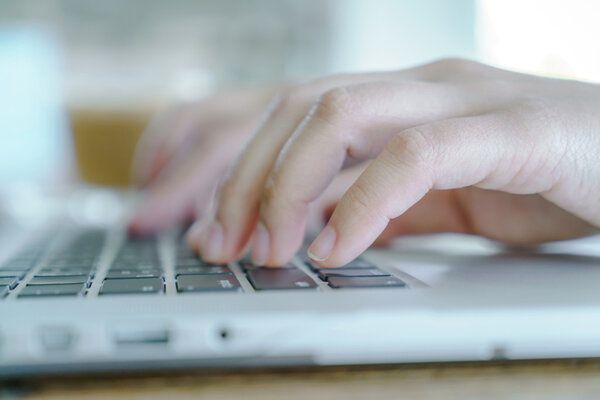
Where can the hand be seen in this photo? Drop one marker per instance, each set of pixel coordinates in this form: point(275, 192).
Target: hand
point(455, 146)
point(184, 153)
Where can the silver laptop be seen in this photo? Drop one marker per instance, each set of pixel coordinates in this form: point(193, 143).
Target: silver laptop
point(76, 299)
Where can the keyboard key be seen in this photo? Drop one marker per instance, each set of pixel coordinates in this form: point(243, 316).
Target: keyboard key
point(79, 263)
point(183, 250)
point(134, 264)
point(52, 290)
point(189, 261)
point(207, 283)
point(64, 271)
point(201, 270)
point(10, 273)
point(135, 255)
point(358, 263)
point(251, 267)
point(134, 273)
point(57, 280)
point(278, 278)
point(365, 282)
point(16, 266)
point(22, 258)
point(10, 282)
point(132, 286)
point(325, 274)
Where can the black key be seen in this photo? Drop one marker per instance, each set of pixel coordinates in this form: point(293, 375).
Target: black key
point(57, 280)
point(202, 270)
point(207, 283)
point(83, 263)
point(278, 278)
point(185, 252)
point(15, 266)
point(12, 273)
point(22, 258)
point(251, 267)
point(64, 271)
point(138, 255)
point(135, 256)
point(134, 273)
point(3, 291)
point(10, 282)
point(325, 274)
point(81, 257)
point(188, 261)
point(135, 264)
point(132, 286)
point(359, 263)
point(52, 290)
point(148, 252)
point(366, 282)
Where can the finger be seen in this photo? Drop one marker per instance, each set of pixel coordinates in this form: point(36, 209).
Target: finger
point(320, 210)
point(173, 131)
point(167, 132)
point(444, 155)
point(239, 197)
point(187, 185)
point(356, 121)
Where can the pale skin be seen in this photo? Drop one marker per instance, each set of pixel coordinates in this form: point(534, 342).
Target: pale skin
point(450, 146)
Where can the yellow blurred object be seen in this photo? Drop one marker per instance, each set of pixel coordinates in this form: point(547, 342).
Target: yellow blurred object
point(105, 141)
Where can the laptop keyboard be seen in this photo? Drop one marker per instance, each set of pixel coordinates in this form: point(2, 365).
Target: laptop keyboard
point(137, 268)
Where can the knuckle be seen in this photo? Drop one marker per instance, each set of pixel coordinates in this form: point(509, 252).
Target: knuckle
point(415, 146)
point(333, 106)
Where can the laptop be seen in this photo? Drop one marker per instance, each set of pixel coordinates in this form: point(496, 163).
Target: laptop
point(76, 298)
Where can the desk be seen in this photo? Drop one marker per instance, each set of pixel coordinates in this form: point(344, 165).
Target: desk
point(560, 379)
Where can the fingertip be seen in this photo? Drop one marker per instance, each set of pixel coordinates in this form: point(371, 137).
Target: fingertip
point(261, 243)
point(322, 247)
point(192, 236)
point(133, 229)
point(139, 228)
point(210, 242)
point(143, 221)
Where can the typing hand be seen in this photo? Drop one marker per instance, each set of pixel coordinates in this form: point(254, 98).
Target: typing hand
point(186, 150)
point(455, 146)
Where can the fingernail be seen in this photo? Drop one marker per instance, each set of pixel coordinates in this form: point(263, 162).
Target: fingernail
point(322, 247)
point(260, 245)
point(211, 242)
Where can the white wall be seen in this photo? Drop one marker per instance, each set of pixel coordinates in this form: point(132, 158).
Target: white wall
point(388, 34)
point(550, 37)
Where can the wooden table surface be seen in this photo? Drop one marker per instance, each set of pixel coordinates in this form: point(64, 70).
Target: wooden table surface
point(559, 379)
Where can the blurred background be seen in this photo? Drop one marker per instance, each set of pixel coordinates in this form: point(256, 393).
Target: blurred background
point(79, 79)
